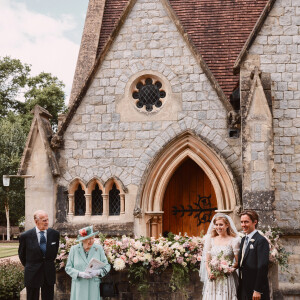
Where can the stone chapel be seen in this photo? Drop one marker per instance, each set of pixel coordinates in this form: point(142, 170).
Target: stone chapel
point(179, 109)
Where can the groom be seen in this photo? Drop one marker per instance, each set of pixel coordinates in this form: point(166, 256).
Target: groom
point(253, 260)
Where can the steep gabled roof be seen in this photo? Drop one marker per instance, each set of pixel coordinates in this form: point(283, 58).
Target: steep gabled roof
point(253, 35)
point(56, 141)
point(40, 125)
point(218, 29)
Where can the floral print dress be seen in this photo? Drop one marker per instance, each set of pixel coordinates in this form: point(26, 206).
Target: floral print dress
point(224, 289)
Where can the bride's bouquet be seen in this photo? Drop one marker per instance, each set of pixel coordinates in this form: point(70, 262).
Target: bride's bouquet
point(221, 267)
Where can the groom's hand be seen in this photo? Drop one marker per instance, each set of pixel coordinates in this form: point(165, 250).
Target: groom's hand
point(256, 296)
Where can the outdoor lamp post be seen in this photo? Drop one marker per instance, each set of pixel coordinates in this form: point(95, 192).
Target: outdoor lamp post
point(6, 182)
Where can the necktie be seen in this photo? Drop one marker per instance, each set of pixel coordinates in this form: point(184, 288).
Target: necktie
point(43, 242)
point(245, 244)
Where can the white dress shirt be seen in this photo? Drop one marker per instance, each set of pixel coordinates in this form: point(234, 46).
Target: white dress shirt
point(250, 235)
point(39, 235)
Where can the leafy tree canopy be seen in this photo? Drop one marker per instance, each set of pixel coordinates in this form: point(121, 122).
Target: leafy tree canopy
point(11, 148)
point(19, 93)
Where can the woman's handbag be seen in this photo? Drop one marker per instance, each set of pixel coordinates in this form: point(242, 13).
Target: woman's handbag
point(108, 289)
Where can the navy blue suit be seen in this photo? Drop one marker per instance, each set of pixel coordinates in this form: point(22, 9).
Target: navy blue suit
point(39, 269)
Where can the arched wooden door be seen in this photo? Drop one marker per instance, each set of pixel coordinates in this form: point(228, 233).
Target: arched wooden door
point(182, 203)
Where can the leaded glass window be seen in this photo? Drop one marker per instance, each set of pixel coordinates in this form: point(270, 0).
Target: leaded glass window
point(114, 201)
point(149, 94)
point(79, 202)
point(97, 201)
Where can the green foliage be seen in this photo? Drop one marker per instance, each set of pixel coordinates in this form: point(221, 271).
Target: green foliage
point(102, 237)
point(19, 93)
point(11, 280)
point(137, 275)
point(180, 279)
point(278, 254)
point(13, 77)
point(13, 137)
point(46, 91)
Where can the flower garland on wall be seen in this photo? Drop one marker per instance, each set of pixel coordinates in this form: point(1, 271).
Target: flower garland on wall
point(143, 256)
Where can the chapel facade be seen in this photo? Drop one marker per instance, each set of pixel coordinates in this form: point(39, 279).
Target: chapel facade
point(178, 109)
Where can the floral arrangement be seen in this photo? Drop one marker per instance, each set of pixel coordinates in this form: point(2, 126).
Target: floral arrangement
point(278, 254)
point(65, 245)
point(157, 254)
point(143, 256)
point(149, 255)
point(220, 267)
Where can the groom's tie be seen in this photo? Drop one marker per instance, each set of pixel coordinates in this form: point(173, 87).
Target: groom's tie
point(245, 244)
point(244, 248)
point(43, 242)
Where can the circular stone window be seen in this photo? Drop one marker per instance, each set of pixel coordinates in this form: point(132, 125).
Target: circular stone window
point(148, 93)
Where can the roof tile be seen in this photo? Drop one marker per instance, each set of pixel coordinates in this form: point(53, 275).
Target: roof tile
point(218, 29)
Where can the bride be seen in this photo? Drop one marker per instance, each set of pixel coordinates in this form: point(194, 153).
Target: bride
point(221, 239)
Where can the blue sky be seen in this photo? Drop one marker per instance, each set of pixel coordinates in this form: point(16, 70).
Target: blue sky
point(43, 33)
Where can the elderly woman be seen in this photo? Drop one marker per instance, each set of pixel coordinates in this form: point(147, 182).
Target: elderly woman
point(85, 285)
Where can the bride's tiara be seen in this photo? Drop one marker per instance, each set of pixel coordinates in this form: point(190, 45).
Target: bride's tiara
point(221, 215)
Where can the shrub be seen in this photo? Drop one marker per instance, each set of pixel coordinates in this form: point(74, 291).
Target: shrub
point(11, 279)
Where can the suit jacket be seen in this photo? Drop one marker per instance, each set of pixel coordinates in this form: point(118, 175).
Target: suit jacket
point(38, 269)
point(253, 275)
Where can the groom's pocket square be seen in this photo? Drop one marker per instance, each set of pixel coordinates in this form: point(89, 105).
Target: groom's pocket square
point(251, 247)
point(53, 243)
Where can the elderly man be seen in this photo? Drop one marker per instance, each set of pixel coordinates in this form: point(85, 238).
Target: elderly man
point(37, 252)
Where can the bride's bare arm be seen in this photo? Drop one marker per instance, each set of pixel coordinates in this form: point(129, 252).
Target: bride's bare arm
point(235, 265)
point(208, 259)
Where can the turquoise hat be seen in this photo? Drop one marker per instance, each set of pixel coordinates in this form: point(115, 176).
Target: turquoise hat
point(86, 233)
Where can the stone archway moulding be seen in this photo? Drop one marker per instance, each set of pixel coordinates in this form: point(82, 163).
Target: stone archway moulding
point(187, 145)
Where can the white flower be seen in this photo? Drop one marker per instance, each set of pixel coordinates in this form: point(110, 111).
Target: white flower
point(148, 256)
point(119, 264)
point(252, 240)
point(138, 245)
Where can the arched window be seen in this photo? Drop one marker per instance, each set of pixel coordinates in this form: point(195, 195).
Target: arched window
point(97, 201)
point(114, 201)
point(79, 201)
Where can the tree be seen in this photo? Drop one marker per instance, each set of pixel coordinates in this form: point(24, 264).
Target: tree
point(13, 77)
point(11, 144)
point(19, 93)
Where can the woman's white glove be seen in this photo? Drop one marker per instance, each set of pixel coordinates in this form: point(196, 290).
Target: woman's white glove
point(85, 275)
point(95, 273)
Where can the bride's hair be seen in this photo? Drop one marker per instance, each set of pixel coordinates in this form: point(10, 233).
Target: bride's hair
point(226, 221)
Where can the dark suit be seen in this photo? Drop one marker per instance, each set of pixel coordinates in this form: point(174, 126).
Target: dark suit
point(39, 271)
point(253, 275)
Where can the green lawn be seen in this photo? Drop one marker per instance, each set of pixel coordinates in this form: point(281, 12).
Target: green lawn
point(9, 250)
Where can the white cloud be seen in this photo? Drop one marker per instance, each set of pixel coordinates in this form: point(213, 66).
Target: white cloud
point(38, 40)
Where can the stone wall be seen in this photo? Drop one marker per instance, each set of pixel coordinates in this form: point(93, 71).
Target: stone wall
point(276, 51)
point(105, 141)
point(159, 287)
point(40, 189)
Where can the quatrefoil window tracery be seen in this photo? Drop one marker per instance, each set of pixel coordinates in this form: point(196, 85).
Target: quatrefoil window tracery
point(148, 93)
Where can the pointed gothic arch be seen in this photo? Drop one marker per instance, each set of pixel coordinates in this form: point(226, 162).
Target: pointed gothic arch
point(73, 186)
point(187, 145)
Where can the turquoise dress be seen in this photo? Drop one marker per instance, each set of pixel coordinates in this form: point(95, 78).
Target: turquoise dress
point(85, 289)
